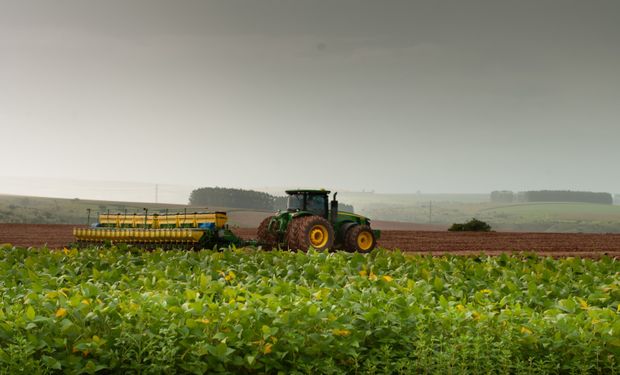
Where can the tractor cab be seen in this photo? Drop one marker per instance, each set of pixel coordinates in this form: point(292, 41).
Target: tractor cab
point(313, 201)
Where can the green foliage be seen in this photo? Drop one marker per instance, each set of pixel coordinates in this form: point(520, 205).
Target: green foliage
point(474, 225)
point(248, 311)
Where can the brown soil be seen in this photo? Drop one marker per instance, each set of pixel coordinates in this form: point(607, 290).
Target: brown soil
point(397, 225)
point(52, 235)
point(494, 243)
point(423, 242)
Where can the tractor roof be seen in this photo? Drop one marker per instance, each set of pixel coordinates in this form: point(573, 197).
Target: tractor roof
point(309, 191)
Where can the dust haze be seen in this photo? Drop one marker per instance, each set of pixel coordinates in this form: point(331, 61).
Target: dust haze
point(390, 96)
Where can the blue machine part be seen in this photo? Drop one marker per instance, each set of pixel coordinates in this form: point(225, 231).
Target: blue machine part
point(209, 226)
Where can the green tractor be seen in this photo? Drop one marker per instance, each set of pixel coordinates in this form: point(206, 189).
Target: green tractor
point(311, 221)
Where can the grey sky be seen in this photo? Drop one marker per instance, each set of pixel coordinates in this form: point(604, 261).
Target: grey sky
point(395, 96)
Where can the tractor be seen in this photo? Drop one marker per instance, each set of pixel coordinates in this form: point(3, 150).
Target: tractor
point(311, 221)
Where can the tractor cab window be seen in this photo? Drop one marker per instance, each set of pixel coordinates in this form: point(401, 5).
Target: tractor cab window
point(295, 202)
point(316, 204)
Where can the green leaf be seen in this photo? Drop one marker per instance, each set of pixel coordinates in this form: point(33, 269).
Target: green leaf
point(313, 310)
point(51, 362)
point(443, 302)
point(567, 305)
point(266, 331)
point(425, 274)
point(221, 350)
point(190, 294)
point(438, 284)
point(30, 313)
point(203, 281)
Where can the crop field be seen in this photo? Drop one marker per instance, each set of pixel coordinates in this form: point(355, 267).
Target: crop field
point(248, 311)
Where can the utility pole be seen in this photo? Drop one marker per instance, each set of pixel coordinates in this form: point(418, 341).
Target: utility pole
point(430, 212)
point(156, 192)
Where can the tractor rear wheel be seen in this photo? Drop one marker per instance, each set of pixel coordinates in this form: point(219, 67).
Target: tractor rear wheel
point(359, 238)
point(310, 231)
point(267, 238)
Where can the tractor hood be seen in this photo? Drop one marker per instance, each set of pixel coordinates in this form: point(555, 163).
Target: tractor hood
point(349, 216)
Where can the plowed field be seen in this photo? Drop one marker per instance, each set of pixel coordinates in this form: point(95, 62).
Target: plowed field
point(431, 242)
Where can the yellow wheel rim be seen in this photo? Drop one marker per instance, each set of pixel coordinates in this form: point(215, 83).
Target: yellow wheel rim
point(319, 236)
point(364, 240)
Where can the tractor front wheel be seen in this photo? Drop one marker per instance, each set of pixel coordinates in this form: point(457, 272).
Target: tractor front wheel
point(310, 231)
point(266, 237)
point(359, 238)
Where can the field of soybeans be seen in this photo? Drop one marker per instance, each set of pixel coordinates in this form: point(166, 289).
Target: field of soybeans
point(252, 311)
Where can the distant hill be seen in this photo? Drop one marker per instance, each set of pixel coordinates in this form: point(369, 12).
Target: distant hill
point(40, 210)
point(388, 211)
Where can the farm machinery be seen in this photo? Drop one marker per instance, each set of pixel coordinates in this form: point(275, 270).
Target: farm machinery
point(310, 220)
point(199, 230)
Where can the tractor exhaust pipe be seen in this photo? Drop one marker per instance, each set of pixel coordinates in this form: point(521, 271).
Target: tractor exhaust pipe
point(334, 209)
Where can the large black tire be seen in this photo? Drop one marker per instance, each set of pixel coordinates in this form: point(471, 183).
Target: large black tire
point(310, 231)
point(266, 238)
point(359, 238)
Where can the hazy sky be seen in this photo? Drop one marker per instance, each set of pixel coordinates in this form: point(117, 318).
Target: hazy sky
point(395, 96)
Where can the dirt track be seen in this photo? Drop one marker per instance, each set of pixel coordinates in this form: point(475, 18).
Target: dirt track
point(433, 242)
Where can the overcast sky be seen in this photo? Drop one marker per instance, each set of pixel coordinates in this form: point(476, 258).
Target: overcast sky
point(392, 96)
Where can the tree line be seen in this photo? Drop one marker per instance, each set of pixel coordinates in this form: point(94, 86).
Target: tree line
point(233, 198)
point(240, 198)
point(506, 196)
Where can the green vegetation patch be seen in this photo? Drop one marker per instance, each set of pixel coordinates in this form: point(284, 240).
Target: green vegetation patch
point(247, 311)
point(473, 225)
